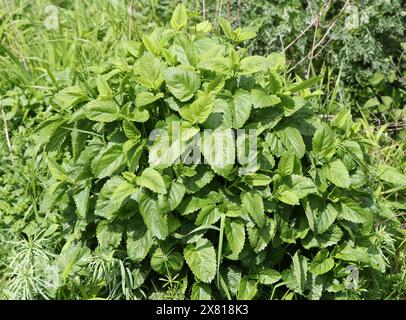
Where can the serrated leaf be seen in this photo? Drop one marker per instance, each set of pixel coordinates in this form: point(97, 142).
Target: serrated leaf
point(155, 220)
point(218, 149)
point(267, 276)
point(201, 259)
point(324, 240)
point(111, 159)
point(131, 131)
point(176, 194)
point(254, 205)
point(179, 17)
point(208, 215)
point(248, 289)
point(288, 197)
point(201, 291)
point(109, 234)
point(323, 138)
point(391, 175)
point(321, 263)
point(165, 260)
point(102, 110)
point(240, 108)
point(300, 271)
point(292, 140)
point(145, 98)
point(261, 99)
point(235, 234)
point(337, 173)
point(254, 64)
point(347, 213)
point(152, 180)
point(182, 82)
point(150, 71)
point(139, 240)
point(198, 110)
point(259, 238)
point(70, 96)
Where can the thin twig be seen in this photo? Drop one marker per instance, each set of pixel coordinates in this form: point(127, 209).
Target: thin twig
point(130, 19)
point(330, 27)
point(239, 12)
point(6, 128)
point(316, 27)
point(204, 9)
point(317, 18)
point(395, 216)
point(220, 5)
point(228, 9)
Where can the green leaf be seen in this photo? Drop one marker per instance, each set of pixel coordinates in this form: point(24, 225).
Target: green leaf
point(337, 173)
point(176, 194)
point(324, 240)
point(240, 108)
point(70, 97)
point(321, 263)
point(267, 276)
point(218, 149)
point(357, 254)
point(111, 159)
point(208, 215)
point(320, 215)
point(105, 207)
point(201, 259)
point(152, 179)
point(253, 204)
point(166, 261)
point(139, 240)
point(109, 234)
point(182, 82)
point(226, 27)
point(347, 213)
point(57, 171)
point(155, 220)
point(301, 186)
point(304, 84)
point(102, 110)
point(261, 99)
point(235, 234)
point(247, 290)
point(259, 238)
point(323, 138)
point(201, 291)
point(131, 132)
point(288, 197)
point(169, 146)
point(199, 110)
point(150, 71)
point(145, 98)
point(391, 175)
point(300, 271)
point(179, 17)
point(81, 198)
point(292, 140)
point(257, 179)
point(103, 87)
point(254, 64)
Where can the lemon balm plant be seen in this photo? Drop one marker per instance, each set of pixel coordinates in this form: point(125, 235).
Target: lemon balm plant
point(209, 173)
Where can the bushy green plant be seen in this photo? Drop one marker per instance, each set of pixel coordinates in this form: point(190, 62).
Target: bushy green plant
point(286, 222)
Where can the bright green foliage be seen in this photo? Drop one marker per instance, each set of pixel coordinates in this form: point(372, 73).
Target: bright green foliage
point(132, 217)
